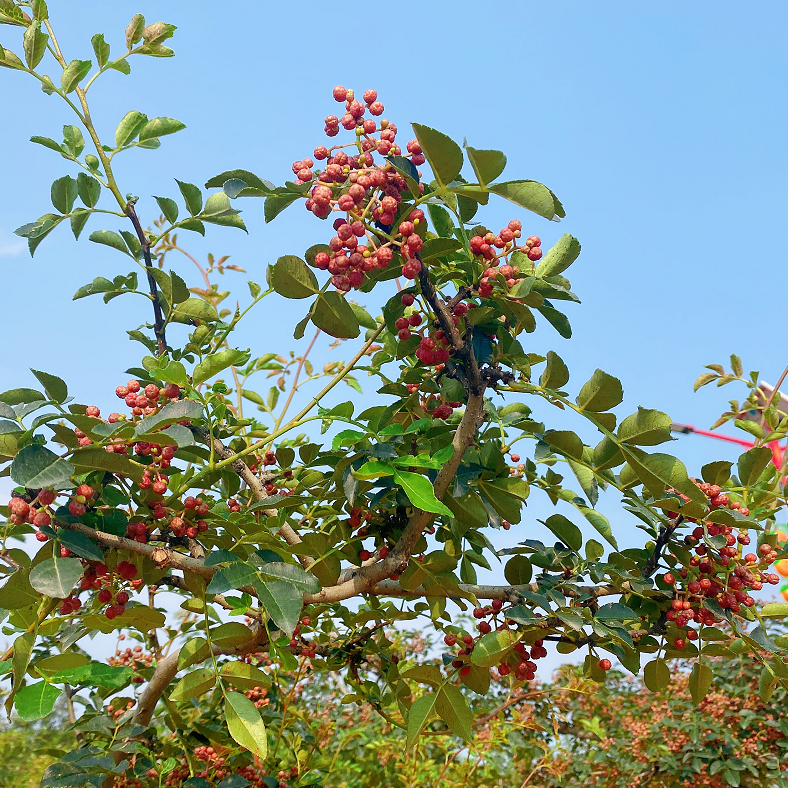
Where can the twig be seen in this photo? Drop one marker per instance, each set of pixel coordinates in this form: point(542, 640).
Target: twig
point(158, 315)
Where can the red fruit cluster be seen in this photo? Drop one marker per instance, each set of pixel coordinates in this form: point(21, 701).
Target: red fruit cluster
point(143, 402)
point(35, 513)
point(134, 658)
point(110, 585)
point(189, 522)
point(520, 661)
point(366, 193)
point(485, 246)
point(258, 696)
point(718, 570)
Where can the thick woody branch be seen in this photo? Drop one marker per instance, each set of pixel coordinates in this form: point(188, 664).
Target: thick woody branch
point(364, 580)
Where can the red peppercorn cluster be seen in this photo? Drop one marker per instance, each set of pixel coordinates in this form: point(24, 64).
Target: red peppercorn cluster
point(365, 192)
point(134, 658)
point(718, 570)
point(258, 696)
point(520, 661)
point(109, 585)
point(485, 246)
point(35, 513)
point(433, 348)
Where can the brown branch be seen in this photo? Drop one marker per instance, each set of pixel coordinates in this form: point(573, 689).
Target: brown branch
point(158, 315)
point(6, 558)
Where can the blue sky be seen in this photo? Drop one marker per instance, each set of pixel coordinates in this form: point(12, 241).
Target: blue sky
point(660, 127)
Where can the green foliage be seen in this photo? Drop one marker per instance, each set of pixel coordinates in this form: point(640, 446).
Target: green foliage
point(293, 554)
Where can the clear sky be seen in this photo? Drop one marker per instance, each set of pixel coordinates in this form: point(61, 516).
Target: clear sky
point(660, 126)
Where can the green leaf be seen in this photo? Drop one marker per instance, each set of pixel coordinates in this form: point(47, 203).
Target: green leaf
point(17, 592)
point(273, 206)
point(717, 472)
point(182, 410)
point(95, 674)
point(752, 463)
point(80, 544)
point(565, 442)
point(134, 30)
point(699, 682)
point(47, 143)
point(418, 714)
point(443, 153)
point(129, 127)
point(193, 651)
point(656, 675)
point(243, 676)
point(21, 396)
point(231, 635)
point(602, 392)
point(291, 277)
point(55, 388)
point(658, 471)
point(282, 601)
point(195, 309)
point(34, 44)
point(292, 573)
point(169, 208)
point(420, 492)
point(518, 570)
point(645, 428)
point(89, 189)
point(36, 701)
point(56, 577)
point(79, 219)
point(487, 164)
point(506, 496)
point(491, 648)
point(74, 73)
point(558, 320)
point(217, 362)
point(10, 14)
point(236, 575)
point(49, 666)
point(97, 459)
point(332, 314)
point(560, 257)
point(160, 127)
point(365, 320)
point(566, 531)
point(453, 708)
point(193, 684)
point(556, 373)
point(437, 247)
point(108, 238)
point(245, 724)
point(531, 195)
point(36, 467)
point(64, 193)
point(100, 49)
point(775, 609)
point(616, 611)
point(192, 196)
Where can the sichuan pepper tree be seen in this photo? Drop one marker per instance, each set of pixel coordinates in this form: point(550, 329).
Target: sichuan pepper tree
point(321, 543)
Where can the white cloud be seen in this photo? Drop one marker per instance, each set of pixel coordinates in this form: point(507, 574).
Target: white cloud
point(10, 245)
